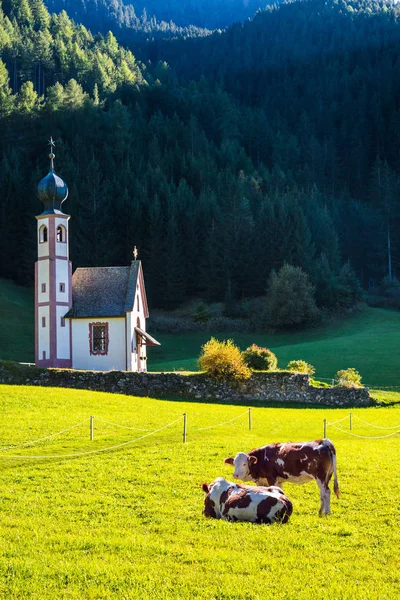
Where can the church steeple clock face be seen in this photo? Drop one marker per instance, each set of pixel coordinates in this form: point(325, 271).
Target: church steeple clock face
point(53, 273)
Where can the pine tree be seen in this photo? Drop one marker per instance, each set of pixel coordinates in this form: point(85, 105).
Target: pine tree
point(6, 98)
point(27, 99)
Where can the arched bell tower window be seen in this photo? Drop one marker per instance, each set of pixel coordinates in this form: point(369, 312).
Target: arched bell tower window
point(61, 234)
point(43, 234)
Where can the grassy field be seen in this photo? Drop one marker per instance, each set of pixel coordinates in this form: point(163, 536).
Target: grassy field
point(128, 523)
point(367, 341)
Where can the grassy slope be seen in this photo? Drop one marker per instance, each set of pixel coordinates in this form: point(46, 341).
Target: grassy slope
point(128, 524)
point(16, 322)
point(368, 341)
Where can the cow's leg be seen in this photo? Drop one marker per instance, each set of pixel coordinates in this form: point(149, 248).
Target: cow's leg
point(325, 496)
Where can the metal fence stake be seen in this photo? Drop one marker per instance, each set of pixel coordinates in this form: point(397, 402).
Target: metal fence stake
point(324, 428)
point(250, 423)
point(91, 428)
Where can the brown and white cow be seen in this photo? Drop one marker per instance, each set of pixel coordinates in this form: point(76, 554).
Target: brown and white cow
point(237, 502)
point(298, 463)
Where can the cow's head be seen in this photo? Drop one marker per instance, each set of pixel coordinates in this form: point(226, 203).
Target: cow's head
point(212, 501)
point(242, 463)
point(209, 505)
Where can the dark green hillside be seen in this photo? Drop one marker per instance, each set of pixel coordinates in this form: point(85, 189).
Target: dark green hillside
point(130, 22)
point(16, 322)
point(158, 17)
point(321, 81)
point(283, 149)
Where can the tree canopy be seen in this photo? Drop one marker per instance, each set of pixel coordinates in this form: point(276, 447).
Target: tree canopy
point(273, 142)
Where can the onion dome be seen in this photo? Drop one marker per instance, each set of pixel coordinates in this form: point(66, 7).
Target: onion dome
point(52, 190)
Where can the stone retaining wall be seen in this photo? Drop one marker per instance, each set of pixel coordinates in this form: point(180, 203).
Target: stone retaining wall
point(278, 387)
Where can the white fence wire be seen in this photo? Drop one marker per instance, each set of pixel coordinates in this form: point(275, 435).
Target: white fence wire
point(119, 425)
point(224, 423)
point(88, 452)
point(366, 437)
point(375, 426)
point(149, 433)
point(108, 448)
point(48, 437)
point(351, 416)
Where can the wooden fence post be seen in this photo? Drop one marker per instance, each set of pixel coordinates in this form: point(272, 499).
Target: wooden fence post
point(324, 428)
point(184, 427)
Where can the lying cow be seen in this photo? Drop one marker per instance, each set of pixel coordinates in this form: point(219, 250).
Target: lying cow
point(236, 502)
point(298, 463)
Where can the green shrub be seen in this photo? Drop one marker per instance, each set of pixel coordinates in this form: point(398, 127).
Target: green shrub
point(223, 361)
point(290, 299)
point(202, 314)
point(349, 378)
point(260, 359)
point(301, 366)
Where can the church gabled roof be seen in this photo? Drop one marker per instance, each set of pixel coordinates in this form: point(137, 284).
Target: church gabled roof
point(106, 291)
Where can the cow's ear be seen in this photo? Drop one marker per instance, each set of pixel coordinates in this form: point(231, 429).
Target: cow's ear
point(228, 461)
point(253, 460)
point(204, 487)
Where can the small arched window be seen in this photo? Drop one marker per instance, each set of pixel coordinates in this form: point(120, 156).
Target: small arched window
point(61, 234)
point(138, 304)
point(43, 234)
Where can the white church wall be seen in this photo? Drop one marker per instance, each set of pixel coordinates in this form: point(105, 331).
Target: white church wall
point(63, 334)
point(137, 313)
point(43, 332)
point(62, 276)
point(115, 358)
point(43, 279)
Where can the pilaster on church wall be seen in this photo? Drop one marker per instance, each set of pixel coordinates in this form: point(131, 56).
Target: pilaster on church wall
point(128, 342)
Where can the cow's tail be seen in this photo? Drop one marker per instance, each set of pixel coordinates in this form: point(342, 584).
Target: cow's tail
point(333, 457)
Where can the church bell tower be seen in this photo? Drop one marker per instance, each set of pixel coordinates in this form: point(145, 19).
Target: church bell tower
point(53, 274)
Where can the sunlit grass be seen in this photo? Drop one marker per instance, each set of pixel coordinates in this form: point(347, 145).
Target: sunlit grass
point(129, 524)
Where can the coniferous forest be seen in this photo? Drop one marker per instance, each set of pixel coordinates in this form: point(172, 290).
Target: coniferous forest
point(221, 155)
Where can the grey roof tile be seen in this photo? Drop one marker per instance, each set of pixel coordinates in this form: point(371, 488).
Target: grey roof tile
point(103, 291)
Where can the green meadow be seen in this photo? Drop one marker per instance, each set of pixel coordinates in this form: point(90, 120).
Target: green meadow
point(83, 522)
point(368, 341)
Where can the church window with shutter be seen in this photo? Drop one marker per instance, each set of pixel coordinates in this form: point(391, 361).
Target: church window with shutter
point(98, 338)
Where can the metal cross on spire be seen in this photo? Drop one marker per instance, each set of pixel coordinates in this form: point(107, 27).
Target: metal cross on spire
point(51, 155)
point(135, 253)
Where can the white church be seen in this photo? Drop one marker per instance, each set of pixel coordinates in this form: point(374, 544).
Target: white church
point(94, 319)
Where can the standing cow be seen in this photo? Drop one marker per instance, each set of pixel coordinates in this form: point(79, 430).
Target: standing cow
point(236, 502)
point(299, 463)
